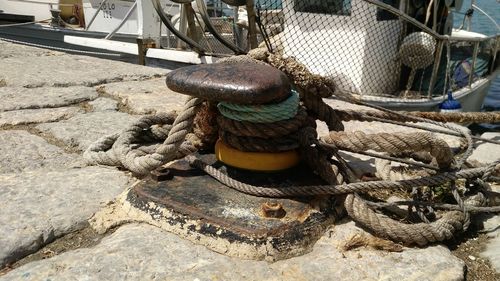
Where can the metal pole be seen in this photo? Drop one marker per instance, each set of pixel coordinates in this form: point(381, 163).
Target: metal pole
point(182, 26)
point(236, 31)
point(129, 12)
point(437, 62)
point(469, 19)
point(95, 15)
point(148, 21)
point(434, 16)
point(495, 51)
point(192, 32)
point(472, 67)
point(252, 28)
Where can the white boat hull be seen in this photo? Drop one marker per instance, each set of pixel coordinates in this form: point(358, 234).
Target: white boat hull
point(471, 99)
point(40, 9)
point(124, 43)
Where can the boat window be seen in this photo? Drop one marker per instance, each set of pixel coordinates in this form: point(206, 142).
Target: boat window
point(383, 15)
point(330, 7)
point(269, 4)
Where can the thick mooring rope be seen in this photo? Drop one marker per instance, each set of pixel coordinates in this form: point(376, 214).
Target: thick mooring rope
point(456, 117)
point(420, 233)
point(338, 189)
point(120, 149)
point(264, 130)
point(251, 128)
point(314, 87)
point(138, 149)
point(285, 67)
point(268, 113)
point(393, 143)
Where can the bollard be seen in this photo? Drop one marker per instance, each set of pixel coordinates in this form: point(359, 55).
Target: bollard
point(248, 95)
point(256, 146)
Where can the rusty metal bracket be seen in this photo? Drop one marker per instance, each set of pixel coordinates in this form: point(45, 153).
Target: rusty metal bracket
point(199, 208)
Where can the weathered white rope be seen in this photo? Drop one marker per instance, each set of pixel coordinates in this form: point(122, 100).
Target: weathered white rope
point(124, 150)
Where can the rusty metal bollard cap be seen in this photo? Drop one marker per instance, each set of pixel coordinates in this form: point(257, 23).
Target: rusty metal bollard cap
point(236, 83)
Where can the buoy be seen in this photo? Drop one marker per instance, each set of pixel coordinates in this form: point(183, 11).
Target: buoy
point(417, 50)
point(256, 161)
point(450, 104)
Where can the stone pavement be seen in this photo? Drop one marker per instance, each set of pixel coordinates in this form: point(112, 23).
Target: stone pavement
point(53, 105)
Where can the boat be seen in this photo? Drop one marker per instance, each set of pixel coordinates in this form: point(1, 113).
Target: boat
point(402, 55)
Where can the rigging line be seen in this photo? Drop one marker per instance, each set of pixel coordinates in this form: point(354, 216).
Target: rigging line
point(23, 23)
point(488, 16)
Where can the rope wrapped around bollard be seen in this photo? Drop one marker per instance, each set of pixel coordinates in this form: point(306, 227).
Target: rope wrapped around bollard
point(155, 140)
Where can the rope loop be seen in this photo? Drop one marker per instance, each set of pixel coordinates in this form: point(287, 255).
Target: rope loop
point(155, 140)
point(265, 113)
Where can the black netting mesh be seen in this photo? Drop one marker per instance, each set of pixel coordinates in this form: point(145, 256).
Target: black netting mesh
point(368, 48)
point(225, 26)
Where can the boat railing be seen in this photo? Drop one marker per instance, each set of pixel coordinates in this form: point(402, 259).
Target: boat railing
point(94, 16)
point(444, 41)
point(122, 22)
point(372, 48)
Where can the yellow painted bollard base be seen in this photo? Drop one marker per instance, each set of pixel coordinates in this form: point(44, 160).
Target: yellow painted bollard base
point(256, 161)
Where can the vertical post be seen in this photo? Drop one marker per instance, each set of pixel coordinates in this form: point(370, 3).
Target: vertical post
point(252, 28)
point(149, 24)
point(236, 31)
point(437, 62)
point(143, 45)
point(469, 19)
point(474, 57)
point(434, 15)
point(182, 26)
point(495, 51)
point(192, 30)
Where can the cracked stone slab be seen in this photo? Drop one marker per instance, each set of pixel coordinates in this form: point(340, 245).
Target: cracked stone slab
point(57, 71)
point(82, 130)
point(39, 206)
point(139, 252)
point(15, 98)
point(31, 116)
point(8, 50)
point(487, 152)
point(104, 104)
point(22, 151)
point(145, 97)
point(492, 229)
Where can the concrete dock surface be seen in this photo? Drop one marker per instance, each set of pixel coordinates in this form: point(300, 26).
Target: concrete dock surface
point(53, 105)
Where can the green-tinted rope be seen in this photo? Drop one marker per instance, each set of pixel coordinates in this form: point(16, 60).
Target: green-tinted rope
point(266, 113)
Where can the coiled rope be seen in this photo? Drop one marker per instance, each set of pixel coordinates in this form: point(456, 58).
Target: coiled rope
point(129, 150)
point(265, 113)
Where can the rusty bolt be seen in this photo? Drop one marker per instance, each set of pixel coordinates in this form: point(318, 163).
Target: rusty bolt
point(162, 174)
point(273, 210)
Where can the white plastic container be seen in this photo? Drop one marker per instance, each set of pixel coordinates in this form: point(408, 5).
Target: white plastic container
point(112, 13)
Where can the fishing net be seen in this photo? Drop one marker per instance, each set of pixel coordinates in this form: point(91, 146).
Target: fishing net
point(371, 47)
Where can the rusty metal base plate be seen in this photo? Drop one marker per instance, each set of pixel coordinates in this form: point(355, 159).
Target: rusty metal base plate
point(199, 208)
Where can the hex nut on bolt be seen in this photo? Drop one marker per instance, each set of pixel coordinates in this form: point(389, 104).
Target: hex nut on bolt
point(273, 210)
